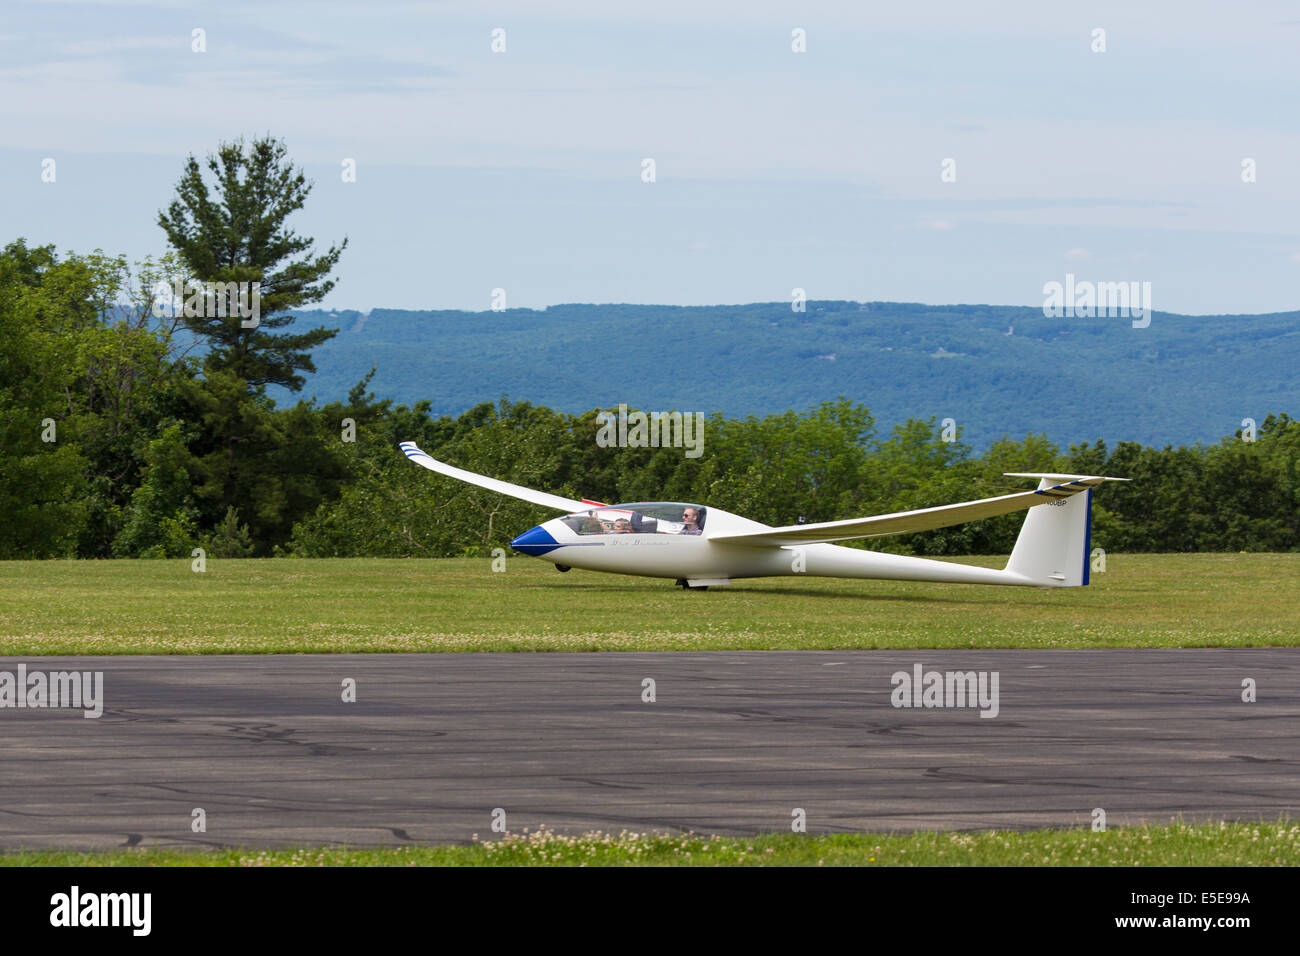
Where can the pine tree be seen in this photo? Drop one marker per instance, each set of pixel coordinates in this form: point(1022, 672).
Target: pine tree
point(239, 234)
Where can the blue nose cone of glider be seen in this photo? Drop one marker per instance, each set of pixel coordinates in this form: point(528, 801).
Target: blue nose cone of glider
point(538, 541)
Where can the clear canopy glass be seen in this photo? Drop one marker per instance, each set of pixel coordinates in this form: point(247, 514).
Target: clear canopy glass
point(642, 517)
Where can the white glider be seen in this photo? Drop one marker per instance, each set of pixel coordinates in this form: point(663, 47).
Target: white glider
point(701, 546)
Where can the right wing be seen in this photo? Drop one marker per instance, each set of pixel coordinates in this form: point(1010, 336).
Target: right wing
point(924, 519)
point(567, 505)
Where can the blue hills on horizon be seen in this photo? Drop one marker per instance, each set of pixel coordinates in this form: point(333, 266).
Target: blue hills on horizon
point(996, 370)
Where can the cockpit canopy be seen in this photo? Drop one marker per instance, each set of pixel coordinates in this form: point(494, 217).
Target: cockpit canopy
point(642, 517)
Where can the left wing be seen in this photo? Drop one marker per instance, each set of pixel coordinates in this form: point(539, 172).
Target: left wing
point(493, 484)
point(925, 519)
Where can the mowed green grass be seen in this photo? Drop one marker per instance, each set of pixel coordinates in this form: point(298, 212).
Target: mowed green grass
point(323, 606)
point(1210, 844)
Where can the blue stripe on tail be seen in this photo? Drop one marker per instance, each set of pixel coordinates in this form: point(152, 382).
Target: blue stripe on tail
point(1087, 539)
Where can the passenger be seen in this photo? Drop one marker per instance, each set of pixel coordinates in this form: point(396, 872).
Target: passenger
point(622, 526)
point(692, 519)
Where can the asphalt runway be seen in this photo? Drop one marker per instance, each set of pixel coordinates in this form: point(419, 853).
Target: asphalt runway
point(733, 743)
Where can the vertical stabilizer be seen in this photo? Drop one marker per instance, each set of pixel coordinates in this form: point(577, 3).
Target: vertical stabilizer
point(1055, 542)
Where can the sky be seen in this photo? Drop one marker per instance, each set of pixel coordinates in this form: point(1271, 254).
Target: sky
point(822, 170)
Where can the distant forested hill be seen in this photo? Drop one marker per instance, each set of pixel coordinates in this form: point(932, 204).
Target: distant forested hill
point(996, 370)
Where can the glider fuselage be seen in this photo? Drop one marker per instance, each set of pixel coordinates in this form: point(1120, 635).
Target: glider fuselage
point(622, 539)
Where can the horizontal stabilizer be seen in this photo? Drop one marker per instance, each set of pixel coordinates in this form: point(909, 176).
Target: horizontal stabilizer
point(1051, 477)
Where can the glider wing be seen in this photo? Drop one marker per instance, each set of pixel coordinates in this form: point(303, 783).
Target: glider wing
point(904, 522)
point(493, 484)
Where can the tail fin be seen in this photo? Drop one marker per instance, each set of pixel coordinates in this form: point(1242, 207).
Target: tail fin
point(1055, 542)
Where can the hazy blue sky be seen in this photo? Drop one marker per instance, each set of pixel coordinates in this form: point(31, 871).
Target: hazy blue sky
point(775, 169)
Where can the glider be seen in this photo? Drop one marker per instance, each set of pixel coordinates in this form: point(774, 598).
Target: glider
point(701, 546)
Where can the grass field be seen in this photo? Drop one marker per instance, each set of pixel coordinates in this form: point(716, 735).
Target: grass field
point(1221, 844)
point(301, 606)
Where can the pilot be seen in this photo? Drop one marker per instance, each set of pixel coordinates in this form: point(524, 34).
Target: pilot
point(692, 519)
point(593, 526)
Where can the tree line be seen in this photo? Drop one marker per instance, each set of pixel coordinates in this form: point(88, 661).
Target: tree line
point(133, 427)
point(826, 463)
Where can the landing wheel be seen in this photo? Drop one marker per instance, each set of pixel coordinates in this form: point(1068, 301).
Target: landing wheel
point(562, 568)
point(681, 583)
